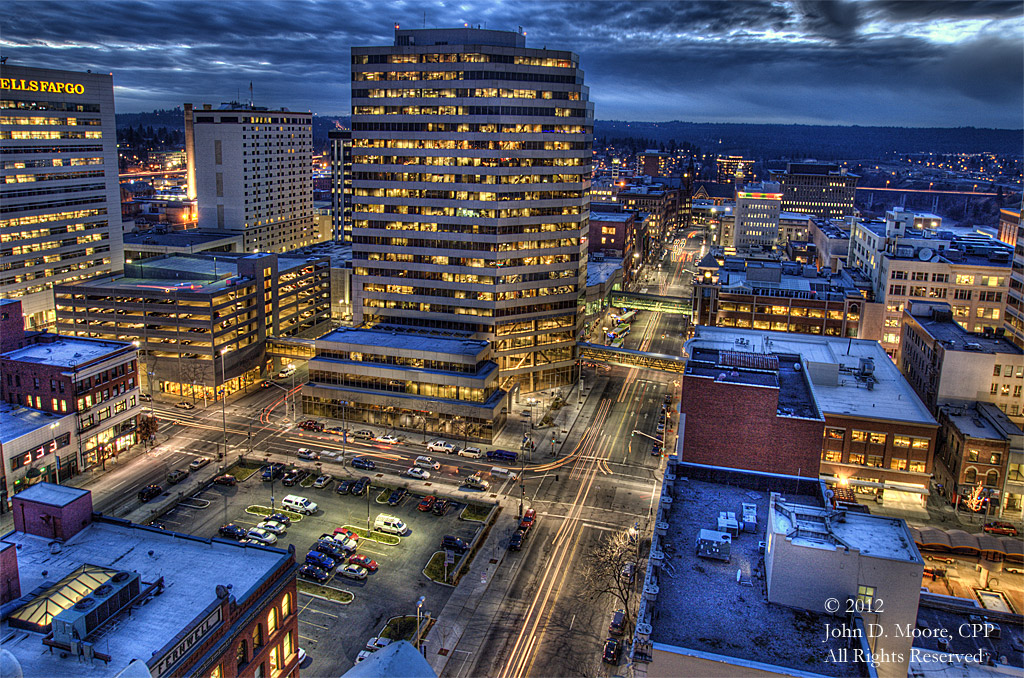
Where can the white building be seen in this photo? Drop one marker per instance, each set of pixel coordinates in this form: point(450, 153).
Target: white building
point(251, 170)
point(60, 219)
point(757, 216)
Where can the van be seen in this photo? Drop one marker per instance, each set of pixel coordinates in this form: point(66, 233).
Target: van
point(294, 502)
point(389, 524)
point(427, 462)
point(499, 472)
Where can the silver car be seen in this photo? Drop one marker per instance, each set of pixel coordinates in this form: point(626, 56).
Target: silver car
point(262, 536)
point(273, 527)
point(353, 572)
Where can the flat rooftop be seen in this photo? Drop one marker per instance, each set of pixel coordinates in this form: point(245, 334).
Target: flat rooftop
point(66, 352)
point(890, 398)
point(937, 613)
point(612, 216)
point(53, 494)
point(151, 552)
point(16, 421)
point(956, 338)
point(189, 238)
point(599, 272)
point(395, 340)
point(700, 606)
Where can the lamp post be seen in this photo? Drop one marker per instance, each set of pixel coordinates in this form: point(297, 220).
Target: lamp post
point(223, 398)
point(266, 462)
point(419, 607)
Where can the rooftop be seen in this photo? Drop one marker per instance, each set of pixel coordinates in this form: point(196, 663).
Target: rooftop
point(395, 340)
point(953, 337)
point(65, 352)
point(599, 272)
point(951, 614)
point(981, 420)
point(833, 364)
point(16, 421)
point(189, 238)
point(151, 552)
point(701, 607)
point(612, 216)
point(52, 494)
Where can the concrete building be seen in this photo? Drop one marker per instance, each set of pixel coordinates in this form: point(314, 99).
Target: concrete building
point(1014, 320)
point(618, 235)
point(831, 238)
point(251, 170)
point(61, 215)
point(1009, 225)
point(654, 163)
point(732, 168)
point(108, 598)
point(756, 216)
point(782, 297)
point(341, 184)
point(340, 256)
point(824, 190)
point(425, 383)
point(980, 448)
point(943, 362)
point(848, 415)
point(909, 262)
point(470, 194)
point(35, 445)
point(139, 246)
point(748, 600)
point(661, 203)
point(202, 321)
point(603, 277)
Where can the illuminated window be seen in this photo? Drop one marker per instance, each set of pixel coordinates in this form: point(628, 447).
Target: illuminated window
point(272, 621)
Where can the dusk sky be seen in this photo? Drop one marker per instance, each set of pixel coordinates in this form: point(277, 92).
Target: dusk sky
point(870, 62)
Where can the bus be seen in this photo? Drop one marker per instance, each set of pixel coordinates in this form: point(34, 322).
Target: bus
point(619, 332)
point(616, 343)
point(624, 318)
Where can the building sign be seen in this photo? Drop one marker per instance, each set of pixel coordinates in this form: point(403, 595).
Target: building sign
point(759, 196)
point(191, 639)
point(38, 453)
point(44, 86)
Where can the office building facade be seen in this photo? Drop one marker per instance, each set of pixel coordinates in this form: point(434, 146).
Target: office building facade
point(1015, 297)
point(251, 170)
point(341, 184)
point(734, 168)
point(60, 203)
point(756, 216)
point(826, 191)
point(470, 199)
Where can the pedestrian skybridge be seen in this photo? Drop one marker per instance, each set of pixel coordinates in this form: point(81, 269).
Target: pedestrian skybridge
point(651, 302)
point(290, 347)
point(597, 353)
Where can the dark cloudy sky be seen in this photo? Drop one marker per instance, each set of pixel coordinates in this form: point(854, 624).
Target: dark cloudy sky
point(868, 62)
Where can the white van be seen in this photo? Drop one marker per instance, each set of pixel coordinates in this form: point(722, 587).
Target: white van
point(294, 502)
point(389, 524)
point(499, 472)
point(427, 462)
point(441, 446)
point(471, 452)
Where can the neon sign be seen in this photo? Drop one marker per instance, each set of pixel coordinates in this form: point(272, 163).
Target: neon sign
point(41, 86)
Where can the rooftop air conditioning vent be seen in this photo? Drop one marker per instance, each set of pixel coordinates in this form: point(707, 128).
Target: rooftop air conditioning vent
point(120, 577)
point(103, 590)
point(85, 603)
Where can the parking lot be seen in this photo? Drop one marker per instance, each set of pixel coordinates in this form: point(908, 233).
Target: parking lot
point(333, 634)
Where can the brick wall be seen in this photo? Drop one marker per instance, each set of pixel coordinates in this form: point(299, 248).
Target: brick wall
point(10, 584)
point(736, 426)
point(52, 522)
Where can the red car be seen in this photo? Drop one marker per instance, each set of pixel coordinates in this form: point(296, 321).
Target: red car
point(363, 561)
point(1001, 528)
point(226, 479)
point(529, 518)
point(426, 503)
point(349, 534)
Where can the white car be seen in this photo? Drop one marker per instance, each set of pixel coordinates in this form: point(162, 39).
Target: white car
point(417, 473)
point(353, 572)
point(308, 454)
point(363, 655)
point(262, 536)
point(471, 452)
point(387, 438)
point(323, 481)
point(198, 463)
point(273, 526)
point(441, 446)
point(378, 643)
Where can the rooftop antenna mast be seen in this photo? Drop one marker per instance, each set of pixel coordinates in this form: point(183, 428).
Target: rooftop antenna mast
point(250, 95)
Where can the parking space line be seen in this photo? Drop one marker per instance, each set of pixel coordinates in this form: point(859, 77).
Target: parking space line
point(312, 640)
point(303, 621)
point(324, 613)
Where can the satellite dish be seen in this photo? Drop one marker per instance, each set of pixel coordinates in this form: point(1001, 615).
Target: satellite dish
point(925, 254)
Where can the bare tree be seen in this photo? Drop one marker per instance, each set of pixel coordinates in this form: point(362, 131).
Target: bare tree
point(615, 568)
point(193, 372)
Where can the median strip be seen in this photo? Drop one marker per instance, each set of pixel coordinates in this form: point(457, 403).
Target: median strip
point(378, 537)
point(258, 510)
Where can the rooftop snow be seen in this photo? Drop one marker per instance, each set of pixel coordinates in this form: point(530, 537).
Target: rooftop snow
point(66, 351)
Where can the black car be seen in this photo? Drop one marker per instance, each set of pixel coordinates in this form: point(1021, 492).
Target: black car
point(397, 496)
point(150, 492)
point(612, 648)
point(292, 477)
point(281, 518)
point(330, 547)
point(454, 543)
point(360, 486)
point(345, 486)
point(515, 542)
point(441, 507)
point(273, 471)
point(363, 463)
point(232, 531)
point(313, 572)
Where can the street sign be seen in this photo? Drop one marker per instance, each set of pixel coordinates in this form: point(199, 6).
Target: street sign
point(449, 557)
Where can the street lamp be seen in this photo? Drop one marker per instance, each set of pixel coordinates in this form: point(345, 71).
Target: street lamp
point(266, 462)
point(223, 398)
point(419, 607)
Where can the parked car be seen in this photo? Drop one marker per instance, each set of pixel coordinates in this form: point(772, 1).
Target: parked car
point(618, 623)
point(232, 531)
point(476, 482)
point(363, 434)
point(311, 425)
point(612, 649)
point(515, 542)
point(317, 574)
point(529, 518)
point(441, 446)
point(150, 492)
point(198, 463)
point(226, 479)
point(471, 452)
point(363, 561)
point(360, 486)
point(323, 481)
point(416, 473)
point(273, 471)
point(331, 548)
point(281, 518)
point(262, 536)
point(628, 572)
point(353, 572)
point(321, 560)
point(308, 455)
point(293, 476)
point(387, 438)
point(397, 495)
point(427, 462)
point(344, 543)
point(145, 397)
point(363, 463)
point(345, 486)
point(346, 533)
point(441, 507)
point(177, 475)
point(185, 405)
point(454, 543)
point(378, 643)
point(1001, 528)
point(273, 527)
point(426, 503)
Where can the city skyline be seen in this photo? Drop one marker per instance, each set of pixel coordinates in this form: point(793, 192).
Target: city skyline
point(915, 64)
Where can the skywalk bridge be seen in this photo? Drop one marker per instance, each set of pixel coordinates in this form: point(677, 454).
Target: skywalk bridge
point(598, 353)
point(651, 302)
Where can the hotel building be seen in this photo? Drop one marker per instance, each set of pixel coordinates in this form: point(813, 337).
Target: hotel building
point(471, 159)
point(60, 204)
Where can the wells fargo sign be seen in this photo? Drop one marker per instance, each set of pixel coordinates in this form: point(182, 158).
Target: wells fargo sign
point(41, 86)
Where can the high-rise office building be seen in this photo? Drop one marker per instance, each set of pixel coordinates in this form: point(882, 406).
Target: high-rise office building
point(1015, 299)
point(341, 184)
point(731, 165)
point(471, 166)
point(251, 170)
point(824, 190)
point(60, 204)
point(757, 216)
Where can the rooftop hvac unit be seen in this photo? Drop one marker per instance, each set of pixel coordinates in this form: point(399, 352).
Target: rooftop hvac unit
point(714, 545)
point(867, 367)
point(80, 620)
